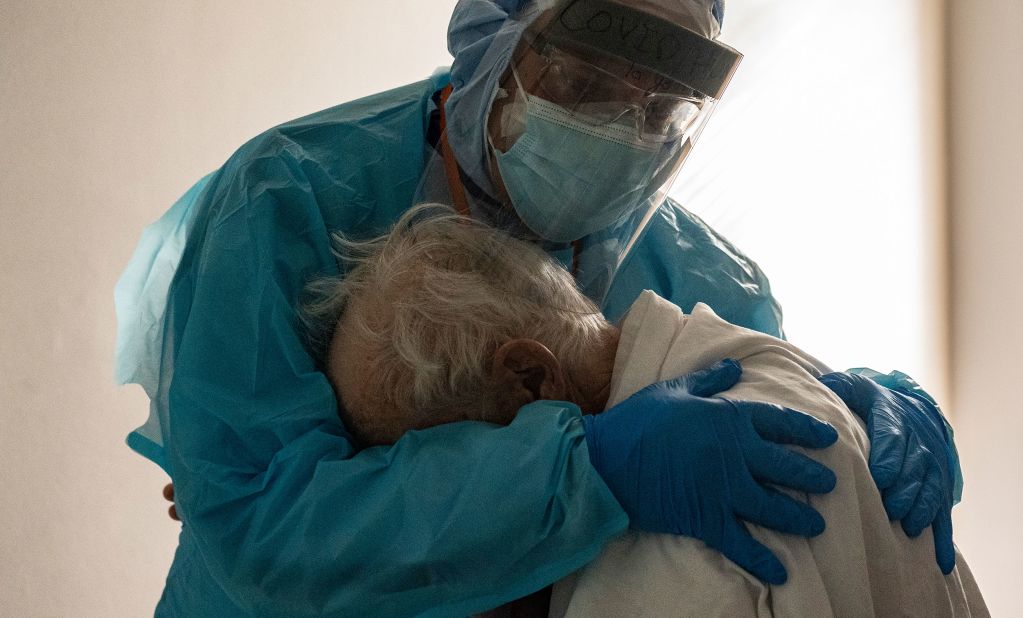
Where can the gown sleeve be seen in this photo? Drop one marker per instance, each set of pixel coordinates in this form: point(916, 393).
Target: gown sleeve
point(684, 260)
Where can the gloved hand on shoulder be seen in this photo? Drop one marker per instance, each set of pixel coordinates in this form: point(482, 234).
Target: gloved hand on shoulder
point(681, 462)
point(910, 459)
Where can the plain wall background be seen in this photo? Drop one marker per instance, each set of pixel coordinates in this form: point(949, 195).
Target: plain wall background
point(109, 110)
point(985, 97)
point(825, 163)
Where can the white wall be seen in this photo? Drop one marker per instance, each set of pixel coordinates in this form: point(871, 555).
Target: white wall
point(109, 110)
point(985, 97)
point(824, 162)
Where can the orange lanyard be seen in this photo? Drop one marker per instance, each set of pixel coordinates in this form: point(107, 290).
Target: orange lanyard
point(455, 180)
point(450, 164)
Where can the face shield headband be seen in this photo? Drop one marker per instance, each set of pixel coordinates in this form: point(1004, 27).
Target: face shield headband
point(668, 49)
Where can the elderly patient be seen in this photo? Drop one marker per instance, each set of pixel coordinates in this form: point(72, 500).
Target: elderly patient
point(445, 317)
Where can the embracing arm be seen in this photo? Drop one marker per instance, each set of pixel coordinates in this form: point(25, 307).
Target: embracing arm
point(442, 521)
point(287, 518)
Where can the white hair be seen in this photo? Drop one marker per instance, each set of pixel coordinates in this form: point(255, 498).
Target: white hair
point(454, 290)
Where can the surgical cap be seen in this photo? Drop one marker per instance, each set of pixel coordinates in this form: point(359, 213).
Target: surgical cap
point(482, 36)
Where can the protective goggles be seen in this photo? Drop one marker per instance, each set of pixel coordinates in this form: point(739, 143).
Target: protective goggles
point(599, 97)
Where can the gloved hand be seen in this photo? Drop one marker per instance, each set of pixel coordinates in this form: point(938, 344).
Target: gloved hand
point(909, 457)
point(682, 463)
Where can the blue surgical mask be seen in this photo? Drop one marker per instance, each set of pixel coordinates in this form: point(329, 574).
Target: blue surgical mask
point(566, 178)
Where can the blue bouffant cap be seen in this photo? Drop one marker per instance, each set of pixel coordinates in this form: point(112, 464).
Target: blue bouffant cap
point(718, 10)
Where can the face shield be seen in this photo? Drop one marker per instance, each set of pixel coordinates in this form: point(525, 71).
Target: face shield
point(589, 120)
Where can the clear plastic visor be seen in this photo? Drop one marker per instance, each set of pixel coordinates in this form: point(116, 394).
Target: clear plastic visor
point(579, 142)
point(609, 91)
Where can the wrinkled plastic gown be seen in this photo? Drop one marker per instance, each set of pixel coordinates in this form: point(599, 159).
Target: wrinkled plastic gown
point(281, 515)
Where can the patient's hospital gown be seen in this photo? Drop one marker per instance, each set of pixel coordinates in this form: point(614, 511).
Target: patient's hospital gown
point(862, 565)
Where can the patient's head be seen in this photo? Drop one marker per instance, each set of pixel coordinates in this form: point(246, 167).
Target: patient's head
point(445, 320)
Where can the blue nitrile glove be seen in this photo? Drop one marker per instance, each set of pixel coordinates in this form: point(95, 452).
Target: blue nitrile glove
point(909, 457)
point(683, 463)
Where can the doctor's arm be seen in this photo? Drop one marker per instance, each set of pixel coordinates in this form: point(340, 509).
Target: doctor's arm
point(453, 520)
point(289, 519)
point(498, 512)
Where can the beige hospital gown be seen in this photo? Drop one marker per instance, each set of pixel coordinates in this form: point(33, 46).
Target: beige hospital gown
point(862, 565)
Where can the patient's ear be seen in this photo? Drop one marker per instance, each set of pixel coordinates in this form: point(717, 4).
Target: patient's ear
point(524, 370)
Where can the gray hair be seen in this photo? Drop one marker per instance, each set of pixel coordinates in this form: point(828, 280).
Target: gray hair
point(455, 291)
